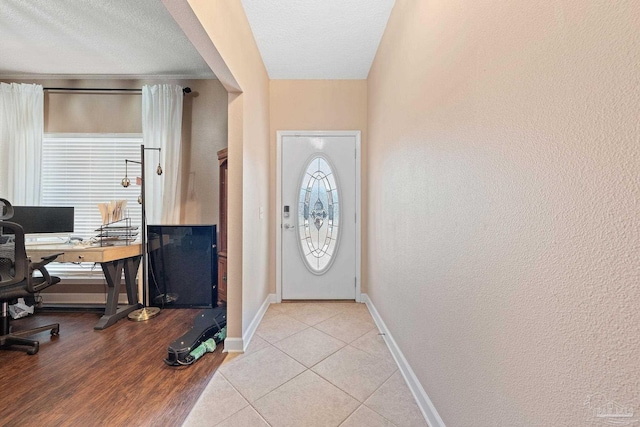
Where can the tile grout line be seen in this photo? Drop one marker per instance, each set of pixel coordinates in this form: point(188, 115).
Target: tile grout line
point(331, 354)
point(352, 412)
point(310, 368)
point(385, 381)
point(272, 344)
point(258, 398)
point(259, 414)
point(237, 391)
point(374, 355)
point(349, 394)
point(323, 320)
point(348, 343)
point(361, 405)
point(281, 385)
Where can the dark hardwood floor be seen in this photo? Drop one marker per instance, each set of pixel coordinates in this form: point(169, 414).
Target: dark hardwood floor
point(114, 377)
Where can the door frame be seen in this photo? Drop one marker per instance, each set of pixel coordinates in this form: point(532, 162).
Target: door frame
point(278, 214)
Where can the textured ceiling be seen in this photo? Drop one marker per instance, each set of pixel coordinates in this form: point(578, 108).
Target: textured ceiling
point(318, 39)
point(95, 37)
point(298, 39)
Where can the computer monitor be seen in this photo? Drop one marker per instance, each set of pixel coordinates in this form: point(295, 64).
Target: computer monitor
point(44, 219)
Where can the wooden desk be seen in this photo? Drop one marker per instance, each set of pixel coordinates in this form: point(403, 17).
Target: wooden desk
point(113, 260)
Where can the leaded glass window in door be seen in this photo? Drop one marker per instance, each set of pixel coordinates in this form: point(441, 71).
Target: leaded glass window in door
point(318, 215)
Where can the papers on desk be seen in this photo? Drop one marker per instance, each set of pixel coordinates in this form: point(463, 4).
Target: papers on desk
point(118, 233)
point(112, 211)
point(109, 238)
point(116, 229)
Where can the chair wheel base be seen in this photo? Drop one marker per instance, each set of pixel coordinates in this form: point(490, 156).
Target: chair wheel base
point(9, 342)
point(34, 349)
point(16, 340)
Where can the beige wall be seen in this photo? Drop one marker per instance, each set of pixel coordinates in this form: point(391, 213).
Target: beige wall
point(314, 105)
point(226, 24)
point(208, 135)
point(504, 154)
point(76, 112)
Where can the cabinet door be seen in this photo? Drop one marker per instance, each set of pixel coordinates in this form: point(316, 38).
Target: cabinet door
point(222, 160)
point(222, 281)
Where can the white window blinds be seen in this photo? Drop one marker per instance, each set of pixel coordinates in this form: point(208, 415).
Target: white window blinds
point(82, 170)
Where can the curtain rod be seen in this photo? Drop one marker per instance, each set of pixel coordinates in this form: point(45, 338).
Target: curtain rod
point(185, 90)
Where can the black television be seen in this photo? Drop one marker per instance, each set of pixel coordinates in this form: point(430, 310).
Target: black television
point(44, 219)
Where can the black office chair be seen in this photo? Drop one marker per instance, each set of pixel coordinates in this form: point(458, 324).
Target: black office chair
point(17, 280)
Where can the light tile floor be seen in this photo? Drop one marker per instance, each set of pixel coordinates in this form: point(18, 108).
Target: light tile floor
point(309, 364)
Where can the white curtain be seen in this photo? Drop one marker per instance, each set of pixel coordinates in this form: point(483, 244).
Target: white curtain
point(162, 128)
point(21, 128)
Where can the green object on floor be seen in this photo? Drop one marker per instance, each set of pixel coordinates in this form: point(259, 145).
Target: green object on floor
point(220, 336)
point(209, 346)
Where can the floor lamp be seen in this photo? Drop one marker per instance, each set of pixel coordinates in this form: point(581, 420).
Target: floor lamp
point(144, 313)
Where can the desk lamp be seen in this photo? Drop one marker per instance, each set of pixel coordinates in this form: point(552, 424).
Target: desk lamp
point(144, 313)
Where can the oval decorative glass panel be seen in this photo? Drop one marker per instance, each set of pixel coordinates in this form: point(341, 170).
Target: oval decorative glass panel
point(318, 215)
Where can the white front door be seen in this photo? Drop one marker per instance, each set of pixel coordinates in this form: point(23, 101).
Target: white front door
point(318, 218)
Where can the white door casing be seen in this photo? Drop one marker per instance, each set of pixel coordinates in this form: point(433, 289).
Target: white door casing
point(306, 267)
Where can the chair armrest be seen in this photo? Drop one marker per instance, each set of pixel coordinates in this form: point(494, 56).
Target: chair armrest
point(46, 260)
point(31, 286)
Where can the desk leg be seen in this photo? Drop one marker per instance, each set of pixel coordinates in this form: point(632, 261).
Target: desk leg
point(113, 273)
point(131, 266)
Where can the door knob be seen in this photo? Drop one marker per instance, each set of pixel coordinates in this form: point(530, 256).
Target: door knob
point(288, 227)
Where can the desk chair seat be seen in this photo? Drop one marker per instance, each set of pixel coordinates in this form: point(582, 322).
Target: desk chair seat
point(17, 280)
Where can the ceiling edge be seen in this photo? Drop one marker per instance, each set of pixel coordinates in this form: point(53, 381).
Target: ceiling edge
point(107, 76)
point(186, 18)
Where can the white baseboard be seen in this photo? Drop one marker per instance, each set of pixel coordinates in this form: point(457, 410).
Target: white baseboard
point(233, 345)
point(79, 298)
point(251, 330)
point(424, 403)
point(238, 345)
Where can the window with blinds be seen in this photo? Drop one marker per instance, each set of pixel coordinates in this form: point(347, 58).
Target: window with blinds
point(82, 170)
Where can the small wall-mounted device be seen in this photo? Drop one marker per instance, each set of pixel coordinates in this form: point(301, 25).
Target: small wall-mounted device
point(286, 212)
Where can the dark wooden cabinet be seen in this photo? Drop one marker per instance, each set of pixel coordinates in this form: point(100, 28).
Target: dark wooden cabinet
point(222, 280)
point(223, 213)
